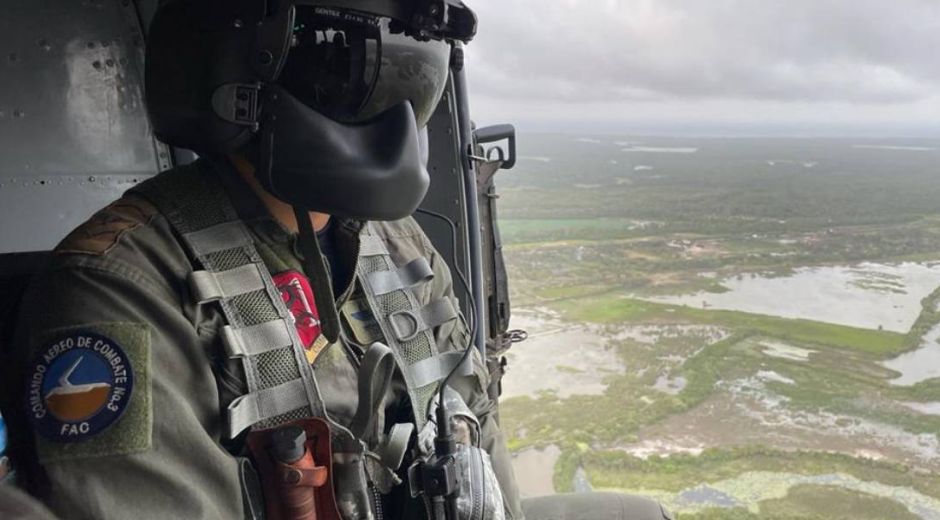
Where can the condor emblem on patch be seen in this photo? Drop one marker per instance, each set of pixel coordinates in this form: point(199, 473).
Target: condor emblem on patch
point(80, 385)
point(298, 297)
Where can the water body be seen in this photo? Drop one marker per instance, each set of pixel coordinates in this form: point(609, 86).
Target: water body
point(805, 164)
point(650, 334)
point(779, 349)
point(750, 488)
point(581, 483)
point(671, 386)
point(750, 411)
point(537, 466)
point(705, 496)
point(918, 365)
point(893, 147)
point(660, 149)
point(565, 358)
point(931, 408)
point(773, 377)
point(866, 296)
point(768, 411)
point(661, 448)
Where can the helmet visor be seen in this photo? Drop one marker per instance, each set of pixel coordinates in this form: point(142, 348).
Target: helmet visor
point(351, 67)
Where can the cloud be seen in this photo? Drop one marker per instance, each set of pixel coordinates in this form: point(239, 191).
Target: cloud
point(867, 53)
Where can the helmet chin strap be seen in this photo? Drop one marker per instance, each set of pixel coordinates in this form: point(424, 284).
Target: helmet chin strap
point(315, 268)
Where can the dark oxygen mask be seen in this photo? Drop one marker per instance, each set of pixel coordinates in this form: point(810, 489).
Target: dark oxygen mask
point(372, 170)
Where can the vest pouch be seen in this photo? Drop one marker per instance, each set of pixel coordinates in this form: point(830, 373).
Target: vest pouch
point(356, 497)
point(480, 497)
point(294, 463)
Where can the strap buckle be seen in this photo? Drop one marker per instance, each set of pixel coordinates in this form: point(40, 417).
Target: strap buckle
point(406, 324)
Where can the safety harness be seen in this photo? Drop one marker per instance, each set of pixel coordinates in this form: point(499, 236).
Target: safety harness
point(407, 327)
point(260, 329)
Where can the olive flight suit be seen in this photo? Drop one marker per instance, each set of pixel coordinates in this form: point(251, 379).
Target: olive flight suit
point(122, 276)
point(158, 449)
point(17, 505)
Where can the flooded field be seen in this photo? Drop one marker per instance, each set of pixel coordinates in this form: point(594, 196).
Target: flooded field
point(749, 489)
point(536, 467)
point(748, 412)
point(558, 357)
point(921, 364)
point(767, 348)
point(768, 391)
point(870, 296)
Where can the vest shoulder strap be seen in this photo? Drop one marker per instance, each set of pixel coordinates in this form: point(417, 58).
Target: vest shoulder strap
point(407, 326)
point(228, 270)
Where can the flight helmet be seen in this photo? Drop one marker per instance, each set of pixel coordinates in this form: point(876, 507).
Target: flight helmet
point(326, 97)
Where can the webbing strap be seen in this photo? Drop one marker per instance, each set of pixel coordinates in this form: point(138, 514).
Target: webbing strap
point(433, 369)
point(378, 277)
point(371, 245)
point(409, 275)
point(255, 407)
point(375, 378)
point(230, 270)
point(208, 286)
point(256, 339)
point(407, 323)
point(392, 452)
point(220, 237)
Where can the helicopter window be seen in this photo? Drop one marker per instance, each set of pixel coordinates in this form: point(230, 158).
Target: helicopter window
point(722, 240)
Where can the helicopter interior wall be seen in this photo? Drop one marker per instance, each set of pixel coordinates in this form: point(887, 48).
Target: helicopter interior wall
point(73, 129)
point(74, 133)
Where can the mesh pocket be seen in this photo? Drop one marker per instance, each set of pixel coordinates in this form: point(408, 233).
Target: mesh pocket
point(254, 307)
point(227, 259)
point(276, 367)
point(293, 415)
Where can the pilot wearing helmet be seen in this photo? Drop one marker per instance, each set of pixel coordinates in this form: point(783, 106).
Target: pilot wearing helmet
point(264, 333)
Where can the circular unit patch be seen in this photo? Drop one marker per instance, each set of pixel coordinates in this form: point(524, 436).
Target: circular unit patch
point(79, 385)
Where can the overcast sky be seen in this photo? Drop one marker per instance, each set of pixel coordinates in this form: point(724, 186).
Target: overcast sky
point(798, 67)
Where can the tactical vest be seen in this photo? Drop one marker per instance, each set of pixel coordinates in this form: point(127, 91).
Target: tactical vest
point(260, 331)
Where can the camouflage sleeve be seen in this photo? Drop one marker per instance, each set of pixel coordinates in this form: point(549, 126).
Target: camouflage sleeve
point(120, 391)
point(474, 391)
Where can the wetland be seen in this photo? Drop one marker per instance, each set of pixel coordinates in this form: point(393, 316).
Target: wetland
point(746, 330)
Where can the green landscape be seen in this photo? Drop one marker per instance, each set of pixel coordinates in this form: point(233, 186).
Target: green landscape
point(741, 328)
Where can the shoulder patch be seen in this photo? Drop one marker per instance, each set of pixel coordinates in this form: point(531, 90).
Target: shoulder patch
point(105, 228)
point(360, 319)
point(88, 392)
